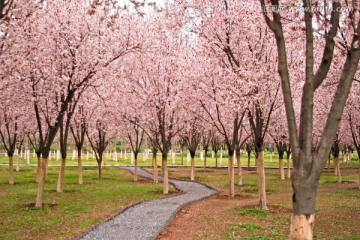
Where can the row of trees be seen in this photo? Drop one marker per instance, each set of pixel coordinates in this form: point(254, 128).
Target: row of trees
point(189, 71)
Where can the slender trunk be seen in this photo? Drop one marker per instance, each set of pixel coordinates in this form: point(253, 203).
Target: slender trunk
point(166, 176)
point(182, 158)
point(288, 168)
point(38, 169)
point(239, 170)
point(18, 163)
point(99, 169)
point(262, 188)
point(80, 178)
point(281, 168)
point(248, 159)
point(136, 169)
point(40, 190)
point(11, 171)
point(302, 226)
point(156, 174)
point(337, 160)
point(205, 161)
point(216, 160)
point(60, 182)
point(192, 174)
point(231, 175)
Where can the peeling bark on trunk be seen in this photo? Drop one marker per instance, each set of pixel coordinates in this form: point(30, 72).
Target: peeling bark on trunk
point(11, 171)
point(166, 177)
point(192, 173)
point(302, 227)
point(60, 182)
point(231, 175)
point(40, 190)
point(281, 168)
point(240, 182)
point(262, 188)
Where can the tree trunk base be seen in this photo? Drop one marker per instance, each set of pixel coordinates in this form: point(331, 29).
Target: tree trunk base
point(302, 227)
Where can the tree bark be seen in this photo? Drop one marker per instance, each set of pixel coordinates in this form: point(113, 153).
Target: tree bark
point(288, 168)
point(231, 175)
point(166, 176)
point(11, 171)
point(80, 171)
point(240, 182)
point(136, 178)
point(302, 226)
point(281, 168)
point(99, 169)
point(335, 167)
point(262, 187)
point(337, 162)
point(38, 169)
point(46, 165)
point(60, 182)
point(156, 174)
point(192, 174)
point(205, 161)
point(40, 190)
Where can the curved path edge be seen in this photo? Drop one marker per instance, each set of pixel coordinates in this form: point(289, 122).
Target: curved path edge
point(147, 219)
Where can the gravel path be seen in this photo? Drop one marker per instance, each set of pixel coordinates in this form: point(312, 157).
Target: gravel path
point(147, 219)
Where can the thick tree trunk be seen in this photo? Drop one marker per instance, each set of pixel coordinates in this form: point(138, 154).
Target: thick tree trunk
point(281, 168)
point(231, 175)
point(38, 169)
point(240, 182)
point(156, 174)
point(262, 188)
point(136, 178)
point(166, 176)
point(302, 226)
point(11, 171)
point(18, 163)
point(288, 168)
point(80, 171)
point(337, 162)
point(60, 182)
point(99, 169)
point(40, 190)
point(192, 173)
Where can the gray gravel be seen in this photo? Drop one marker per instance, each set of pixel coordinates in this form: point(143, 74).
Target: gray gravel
point(147, 219)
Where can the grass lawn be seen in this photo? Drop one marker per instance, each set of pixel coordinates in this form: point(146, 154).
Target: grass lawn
point(223, 217)
point(66, 215)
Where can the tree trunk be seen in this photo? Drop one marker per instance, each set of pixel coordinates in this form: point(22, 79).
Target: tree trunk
point(166, 176)
point(11, 171)
point(18, 163)
point(80, 178)
point(216, 160)
point(328, 165)
point(156, 174)
point(192, 174)
point(60, 182)
point(46, 165)
point(302, 226)
point(99, 169)
point(337, 160)
point(231, 175)
point(38, 169)
point(40, 190)
point(335, 167)
point(248, 160)
point(288, 168)
point(136, 169)
point(205, 161)
point(262, 188)
point(281, 168)
point(239, 170)
point(182, 158)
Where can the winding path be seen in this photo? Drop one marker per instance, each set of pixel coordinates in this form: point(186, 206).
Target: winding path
point(147, 219)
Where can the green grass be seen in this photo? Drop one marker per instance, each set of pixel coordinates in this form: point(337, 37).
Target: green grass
point(251, 211)
point(69, 213)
